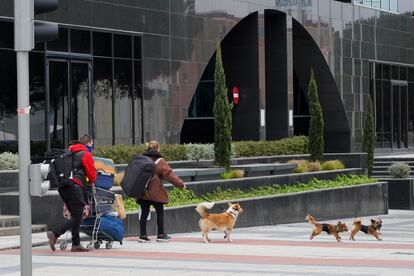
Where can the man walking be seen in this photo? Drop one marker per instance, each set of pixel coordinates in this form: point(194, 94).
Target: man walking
point(72, 195)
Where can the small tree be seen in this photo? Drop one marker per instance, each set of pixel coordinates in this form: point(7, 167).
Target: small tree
point(368, 136)
point(316, 142)
point(222, 116)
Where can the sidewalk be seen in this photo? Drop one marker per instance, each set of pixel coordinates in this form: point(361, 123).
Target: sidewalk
point(270, 250)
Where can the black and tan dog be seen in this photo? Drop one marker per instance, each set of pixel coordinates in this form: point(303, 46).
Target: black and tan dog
point(372, 229)
point(331, 229)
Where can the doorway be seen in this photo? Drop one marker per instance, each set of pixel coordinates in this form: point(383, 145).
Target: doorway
point(69, 105)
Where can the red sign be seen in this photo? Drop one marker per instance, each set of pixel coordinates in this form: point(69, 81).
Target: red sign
point(235, 95)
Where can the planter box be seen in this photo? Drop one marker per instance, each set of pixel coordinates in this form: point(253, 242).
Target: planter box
point(344, 202)
point(203, 187)
point(401, 193)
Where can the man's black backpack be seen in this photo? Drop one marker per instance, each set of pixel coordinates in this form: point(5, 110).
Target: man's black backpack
point(140, 170)
point(61, 166)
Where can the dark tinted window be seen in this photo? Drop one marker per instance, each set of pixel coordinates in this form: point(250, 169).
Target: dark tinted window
point(102, 44)
point(138, 113)
point(37, 103)
point(7, 34)
point(80, 41)
point(137, 47)
point(8, 96)
point(61, 44)
point(122, 46)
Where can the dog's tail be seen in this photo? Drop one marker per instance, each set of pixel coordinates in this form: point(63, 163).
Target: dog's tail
point(201, 208)
point(357, 221)
point(311, 219)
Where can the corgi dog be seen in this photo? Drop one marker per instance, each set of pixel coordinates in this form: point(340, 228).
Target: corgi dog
point(331, 229)
point(373, 229)
point(222, 222)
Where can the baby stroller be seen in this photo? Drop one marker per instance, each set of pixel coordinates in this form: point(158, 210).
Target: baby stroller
point(103, 223)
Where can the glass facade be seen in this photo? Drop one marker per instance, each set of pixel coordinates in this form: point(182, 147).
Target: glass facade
point(87, 81)
point(137, 69)
point(387, 5)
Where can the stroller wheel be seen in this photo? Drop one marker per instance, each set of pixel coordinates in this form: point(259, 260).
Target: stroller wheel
point(97, 245)
point(108, 245)
point(63, 245)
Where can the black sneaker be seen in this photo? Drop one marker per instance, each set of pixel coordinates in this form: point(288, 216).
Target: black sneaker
point(163, 238)
point(144, 239)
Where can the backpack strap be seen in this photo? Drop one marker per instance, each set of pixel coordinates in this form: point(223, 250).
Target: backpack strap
point(157, 161)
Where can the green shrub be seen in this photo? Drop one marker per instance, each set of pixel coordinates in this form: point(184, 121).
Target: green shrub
point(199, 151)
point(122, 154)
point(286, 146)
point(222, 115)
point(302, 165)
point(399, 170)
point(314, 166)
point(173, 152)
point(316, 124)
point(130, 204)
point(9, 161)
point(232, 174)
point(368, 136)
point(332, 165)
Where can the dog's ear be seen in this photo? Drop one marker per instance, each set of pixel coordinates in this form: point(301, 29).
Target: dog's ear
point(229, 203)
point(372, 220)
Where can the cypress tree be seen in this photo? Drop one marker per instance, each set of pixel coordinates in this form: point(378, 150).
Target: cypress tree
point(222, 116)
point(316, 142)
point(368, 136)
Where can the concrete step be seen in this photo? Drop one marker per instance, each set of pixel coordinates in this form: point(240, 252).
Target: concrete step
point(9, 221)
point(394, 159)
point(378, 173)
point(15, 230)
point(382, 163)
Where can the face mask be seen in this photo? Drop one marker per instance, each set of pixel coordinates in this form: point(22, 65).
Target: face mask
point(90, 148)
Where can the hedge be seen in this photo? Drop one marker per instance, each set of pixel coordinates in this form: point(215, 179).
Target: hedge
point(121, 154)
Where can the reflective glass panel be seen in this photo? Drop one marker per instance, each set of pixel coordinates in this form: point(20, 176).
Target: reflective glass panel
point(102, 44)
point(122, 46)
point(8, 101)
point(123, 102)
point(102, 100)
point(60, 44)
point(80, 41)
point(37, 103)
point(7, 35)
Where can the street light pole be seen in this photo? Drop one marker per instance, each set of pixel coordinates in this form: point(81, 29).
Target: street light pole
point(23, 43)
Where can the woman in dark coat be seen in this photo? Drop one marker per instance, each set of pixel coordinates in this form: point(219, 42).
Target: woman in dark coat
point(155, 193)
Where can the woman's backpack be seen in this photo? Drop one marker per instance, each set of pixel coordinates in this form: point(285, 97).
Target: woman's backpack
point(140, 171)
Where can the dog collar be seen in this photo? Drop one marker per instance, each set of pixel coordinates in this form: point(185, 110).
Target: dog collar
point(232, 212)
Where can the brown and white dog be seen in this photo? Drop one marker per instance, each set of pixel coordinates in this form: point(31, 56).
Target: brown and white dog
point(222, 222)
point(373, 229)
point(331, 229)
